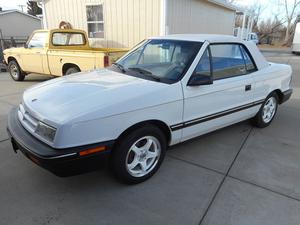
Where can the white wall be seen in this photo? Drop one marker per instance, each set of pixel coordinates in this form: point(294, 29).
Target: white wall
point(126, 22)
point(199, 16)
point(18, 25)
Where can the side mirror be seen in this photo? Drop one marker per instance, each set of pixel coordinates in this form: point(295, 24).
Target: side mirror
point(200, 79)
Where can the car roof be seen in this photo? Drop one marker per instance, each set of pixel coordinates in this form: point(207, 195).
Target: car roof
point(259, 59)
point(212, 38)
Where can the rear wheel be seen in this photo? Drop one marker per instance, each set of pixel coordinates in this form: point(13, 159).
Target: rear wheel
point(139, 155)
point(15, 71)
point(72, 70)
point(267, 111)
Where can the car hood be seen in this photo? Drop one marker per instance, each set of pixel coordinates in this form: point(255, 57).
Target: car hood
point(99, 93)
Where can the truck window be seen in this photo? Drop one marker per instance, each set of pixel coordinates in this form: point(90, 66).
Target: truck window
point(68, 39)
point(38, 40)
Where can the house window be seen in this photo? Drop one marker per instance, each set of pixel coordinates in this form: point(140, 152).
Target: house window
point(95, 21)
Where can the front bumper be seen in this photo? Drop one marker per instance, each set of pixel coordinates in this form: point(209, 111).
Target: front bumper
point(286, 95)
point(61, 162)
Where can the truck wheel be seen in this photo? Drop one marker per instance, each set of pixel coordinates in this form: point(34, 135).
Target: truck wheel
point(15, 71)
point(139, 155)
point(72, 70)
point(267, 111)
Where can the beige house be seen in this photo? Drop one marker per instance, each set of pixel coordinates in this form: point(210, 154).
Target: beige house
point(124, 23)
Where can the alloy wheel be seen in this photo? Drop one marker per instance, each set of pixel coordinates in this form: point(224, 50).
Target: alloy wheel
point(143, 156)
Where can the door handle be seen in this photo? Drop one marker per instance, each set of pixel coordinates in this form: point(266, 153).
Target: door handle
point(248, 87)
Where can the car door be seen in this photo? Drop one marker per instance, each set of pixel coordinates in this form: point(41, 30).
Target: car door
point(227, 100)
point(35, 54)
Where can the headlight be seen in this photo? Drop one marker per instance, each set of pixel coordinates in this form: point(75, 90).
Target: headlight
point(45, 131)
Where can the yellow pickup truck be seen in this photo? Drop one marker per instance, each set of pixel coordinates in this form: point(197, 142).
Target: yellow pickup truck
point(58, 52)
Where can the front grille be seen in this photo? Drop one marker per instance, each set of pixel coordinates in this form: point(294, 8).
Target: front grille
point(26, 119)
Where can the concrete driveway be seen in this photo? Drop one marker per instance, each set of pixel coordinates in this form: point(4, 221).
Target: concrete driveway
point(239, 175)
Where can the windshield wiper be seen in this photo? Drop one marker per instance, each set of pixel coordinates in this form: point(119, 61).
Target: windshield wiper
point(145, 72)
point(120, 67)
point(138, 69)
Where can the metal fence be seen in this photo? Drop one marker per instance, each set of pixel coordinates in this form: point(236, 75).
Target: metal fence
point(9, 43)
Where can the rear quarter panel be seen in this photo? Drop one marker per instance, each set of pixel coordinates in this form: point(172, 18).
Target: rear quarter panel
point(83, 56)
point(274, 76)
point(84, 59)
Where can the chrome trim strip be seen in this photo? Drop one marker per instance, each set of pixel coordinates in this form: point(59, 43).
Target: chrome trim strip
point(214, 116)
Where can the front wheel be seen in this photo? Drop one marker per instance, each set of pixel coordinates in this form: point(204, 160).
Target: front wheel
point(15, 71)
point(139, 155)
point(267, 111)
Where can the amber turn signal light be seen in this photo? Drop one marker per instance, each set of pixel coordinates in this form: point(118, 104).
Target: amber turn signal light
point(92, 150)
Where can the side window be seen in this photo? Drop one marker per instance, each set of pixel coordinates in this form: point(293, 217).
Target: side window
point(38, 40)
point(250, 66)
point(227, 61)
point(203, 67)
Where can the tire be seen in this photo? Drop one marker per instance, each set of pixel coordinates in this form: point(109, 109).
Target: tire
point(72, 70)
point(267, 111)
point(139, 154)
point(15, 71)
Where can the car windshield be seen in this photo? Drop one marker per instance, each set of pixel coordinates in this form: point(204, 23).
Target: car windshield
point(160, 60)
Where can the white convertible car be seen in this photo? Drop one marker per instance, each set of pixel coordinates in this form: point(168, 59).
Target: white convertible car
point(165, 91)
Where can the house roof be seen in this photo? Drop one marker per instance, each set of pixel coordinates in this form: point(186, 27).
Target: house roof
point(4, 12)
point(224, 4)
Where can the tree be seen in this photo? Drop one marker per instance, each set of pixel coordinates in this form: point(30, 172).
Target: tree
point(253, 16)
point(270, 29)
point(33, 8)
point(290, 14)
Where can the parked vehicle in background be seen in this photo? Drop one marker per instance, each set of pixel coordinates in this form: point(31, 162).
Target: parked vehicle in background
point(58, 52)
point(244, 34)
point(296, 40)
point(165, 91)
point(253, 37)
